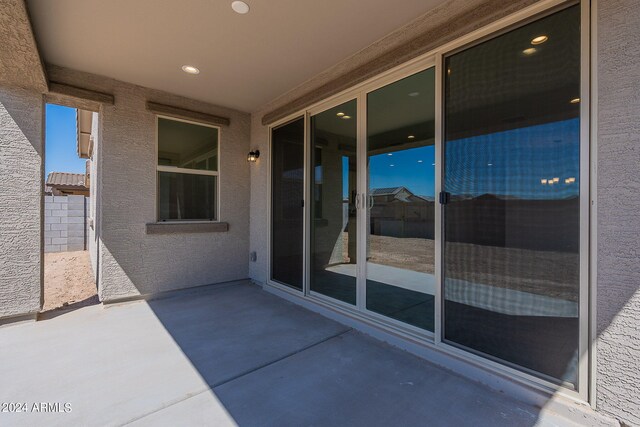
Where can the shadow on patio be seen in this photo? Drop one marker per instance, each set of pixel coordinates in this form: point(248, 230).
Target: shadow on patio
point(231, 354)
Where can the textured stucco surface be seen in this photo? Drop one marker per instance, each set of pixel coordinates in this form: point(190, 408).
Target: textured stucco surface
point(93, 214)
point(131, 261)
point(21, 178)
point(618, 299)
point(20, 63)
point(259, 227)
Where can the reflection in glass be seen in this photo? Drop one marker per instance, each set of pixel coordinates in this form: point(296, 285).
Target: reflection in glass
point(287, 194)
point(333, 210)
point(512, 156)
point(187, 145)
point(401, 174)
point(183, 196)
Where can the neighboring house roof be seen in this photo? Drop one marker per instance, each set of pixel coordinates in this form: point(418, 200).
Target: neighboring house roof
point(388, 191)
point(65, 180)
point(401, 193)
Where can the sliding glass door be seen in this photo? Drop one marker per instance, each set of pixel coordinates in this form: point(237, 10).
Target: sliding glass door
point(400, 267)
point(334, 202)
point(447, 200)
point(287, 204)
point(512, 174)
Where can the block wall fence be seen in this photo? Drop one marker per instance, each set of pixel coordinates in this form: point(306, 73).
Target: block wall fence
point(66, 223)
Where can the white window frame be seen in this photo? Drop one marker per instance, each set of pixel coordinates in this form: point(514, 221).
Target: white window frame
point(187, 171)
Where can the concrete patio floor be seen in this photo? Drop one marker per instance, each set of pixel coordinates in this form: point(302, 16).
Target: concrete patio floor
point(231, 354)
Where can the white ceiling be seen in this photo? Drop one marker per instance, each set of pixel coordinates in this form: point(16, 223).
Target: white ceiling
point(245, 60)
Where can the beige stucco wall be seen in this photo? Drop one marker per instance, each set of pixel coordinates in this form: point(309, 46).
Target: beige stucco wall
point(21, 178)
point(130, 261)
point(94, 214)
point(618, 209)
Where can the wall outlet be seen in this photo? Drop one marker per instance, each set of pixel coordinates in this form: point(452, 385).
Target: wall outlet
point(253, 256)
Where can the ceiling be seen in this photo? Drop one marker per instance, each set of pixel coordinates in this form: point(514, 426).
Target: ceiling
point(245, 60)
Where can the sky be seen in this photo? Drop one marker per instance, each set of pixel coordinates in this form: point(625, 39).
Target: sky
point(510, 163)
point(60, 141)
point(413, 169)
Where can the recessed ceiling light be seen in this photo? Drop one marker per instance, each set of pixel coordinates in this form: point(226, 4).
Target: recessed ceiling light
point(556, 179)
point(411, 137)
point(389, 154)
point(529, 51)
point(392, 165)
point(419, 161)
point(340, 114)
point(433, 164)
point(240, 7)
point(575, 100)
point(190, 69)
point(414, 94)
point(539, 40)
point(346, 117)
point(543, 181)
point(489, 164)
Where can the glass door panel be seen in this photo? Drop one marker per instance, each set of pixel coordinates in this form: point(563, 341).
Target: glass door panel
point(512, 223)
point(401, 206)
point(333, 202)
point(287, 195)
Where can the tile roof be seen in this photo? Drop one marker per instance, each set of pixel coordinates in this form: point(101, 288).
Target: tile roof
point(388, 191)
point(64, 179)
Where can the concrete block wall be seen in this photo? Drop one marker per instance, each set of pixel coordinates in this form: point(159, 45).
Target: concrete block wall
point(65, 223)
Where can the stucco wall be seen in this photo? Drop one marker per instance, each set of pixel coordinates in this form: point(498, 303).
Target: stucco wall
point(132, 262)
point(92, 240)
point(618, 299)
point(21, 188)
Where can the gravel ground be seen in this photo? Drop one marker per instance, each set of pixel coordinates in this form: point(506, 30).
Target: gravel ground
point(68, 280)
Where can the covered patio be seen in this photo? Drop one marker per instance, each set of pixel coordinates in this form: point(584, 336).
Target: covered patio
point(232, 354)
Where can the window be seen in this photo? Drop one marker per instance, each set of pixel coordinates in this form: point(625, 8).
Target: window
point(187, 171)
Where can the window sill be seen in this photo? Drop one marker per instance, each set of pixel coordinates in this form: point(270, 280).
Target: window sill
point(186, 227)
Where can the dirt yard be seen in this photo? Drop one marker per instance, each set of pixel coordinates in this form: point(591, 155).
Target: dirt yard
point(553, 274)
point(68, 280)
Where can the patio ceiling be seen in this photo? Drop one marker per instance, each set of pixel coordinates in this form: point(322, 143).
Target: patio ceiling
point(245, 61)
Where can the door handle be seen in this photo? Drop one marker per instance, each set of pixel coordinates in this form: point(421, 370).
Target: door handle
point(370, 201)
point(444, 197)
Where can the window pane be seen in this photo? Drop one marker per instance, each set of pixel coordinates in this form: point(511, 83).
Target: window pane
point(333, 218)
point(401, 184)
point(512, 226)
point(287, 194)
point(186, 145)
point(186, 196)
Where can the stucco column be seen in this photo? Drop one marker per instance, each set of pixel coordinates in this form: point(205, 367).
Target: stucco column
point(21, 186)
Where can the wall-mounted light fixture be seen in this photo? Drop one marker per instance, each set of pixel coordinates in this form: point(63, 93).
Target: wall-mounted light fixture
point(253, 156)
